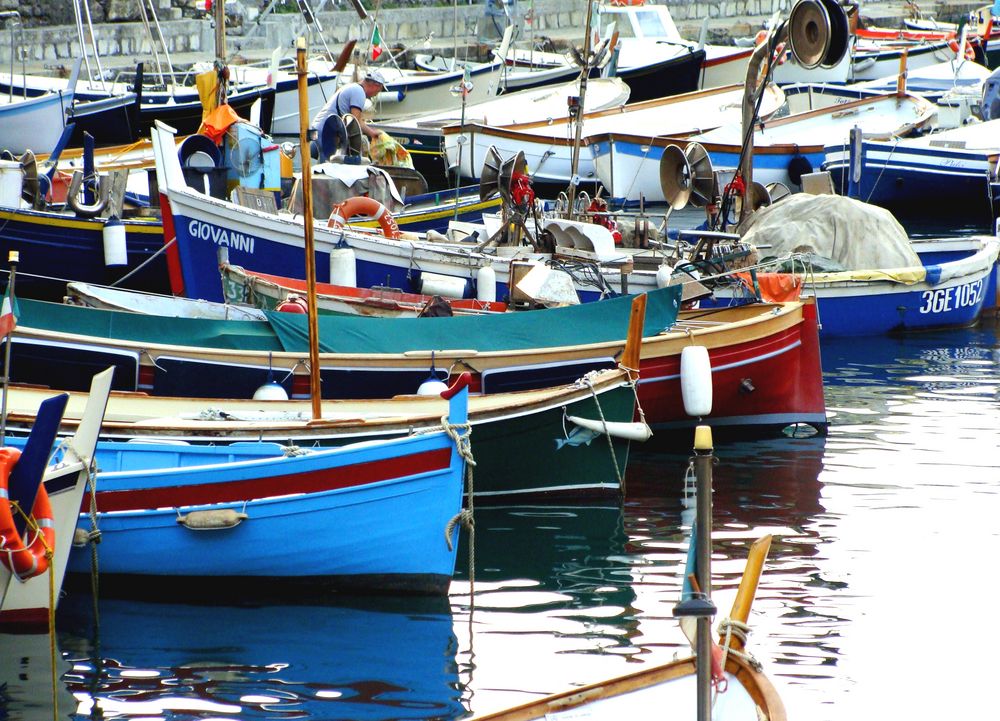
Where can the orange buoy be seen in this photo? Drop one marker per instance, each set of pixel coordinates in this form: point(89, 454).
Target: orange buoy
point(363, 205)
point(24, 559)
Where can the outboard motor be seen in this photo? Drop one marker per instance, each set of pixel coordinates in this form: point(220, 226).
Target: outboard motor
point(991, 96)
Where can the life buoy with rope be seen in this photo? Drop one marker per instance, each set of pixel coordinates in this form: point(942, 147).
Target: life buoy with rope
point(970, 52)
point(25, 560)
point(363, 205)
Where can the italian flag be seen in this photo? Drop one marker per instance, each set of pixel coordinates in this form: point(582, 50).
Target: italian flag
point(8, 312)
point(376, 43)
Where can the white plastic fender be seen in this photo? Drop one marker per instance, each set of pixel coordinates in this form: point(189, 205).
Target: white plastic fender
point(696, 380)
point(444, 285)
point(486, 284)
point(616, 429)
point(663, 274)
point(343, 268)
point(270, 391)
point(432, 387)
point(114, 242)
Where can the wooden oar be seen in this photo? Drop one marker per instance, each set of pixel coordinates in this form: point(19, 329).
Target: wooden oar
point(748, 587)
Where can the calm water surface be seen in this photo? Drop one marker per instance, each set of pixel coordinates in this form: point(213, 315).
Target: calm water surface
point(877, 600)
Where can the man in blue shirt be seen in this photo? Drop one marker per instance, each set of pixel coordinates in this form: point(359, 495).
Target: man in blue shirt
point(351, 99)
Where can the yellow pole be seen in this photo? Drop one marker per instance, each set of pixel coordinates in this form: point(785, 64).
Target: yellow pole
point(307, 222)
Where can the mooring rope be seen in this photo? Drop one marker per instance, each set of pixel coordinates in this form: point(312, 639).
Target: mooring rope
point(588, 381)
point(461, 435)
point(741, 631)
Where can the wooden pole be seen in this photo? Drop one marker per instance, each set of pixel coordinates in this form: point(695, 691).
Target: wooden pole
point(12, 257)
point(307, 223)
point(220, 30)
point(703, 551)
point(578, 125)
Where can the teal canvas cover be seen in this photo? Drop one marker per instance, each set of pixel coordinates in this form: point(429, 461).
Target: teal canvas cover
point(121, 325)
point(603, 321)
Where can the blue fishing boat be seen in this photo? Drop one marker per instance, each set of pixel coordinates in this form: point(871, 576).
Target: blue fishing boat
point(933, 283)
point(373, 517)
point(947, 179)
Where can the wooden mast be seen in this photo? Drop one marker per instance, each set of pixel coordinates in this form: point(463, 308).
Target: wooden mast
point(307, 223)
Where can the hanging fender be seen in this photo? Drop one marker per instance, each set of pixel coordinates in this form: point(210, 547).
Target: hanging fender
point(80, 208)
point(615, 429)
point(363, 205)
point(25, 560)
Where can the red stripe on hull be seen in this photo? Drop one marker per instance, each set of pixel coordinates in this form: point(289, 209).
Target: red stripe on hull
point(23, 618)
point(318, 481)
point(783, 370)
point(172, 253)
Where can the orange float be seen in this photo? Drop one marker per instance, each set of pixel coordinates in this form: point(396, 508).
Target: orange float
point(363, 205)
point(24, 559)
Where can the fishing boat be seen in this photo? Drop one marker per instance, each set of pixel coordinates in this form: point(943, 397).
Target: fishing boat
point(648, 37)
point(31, 572)
point(867, 276)
point(557, 431)
point(765, 357)
point(268, 292)
point(33, 123)
point(258, 240)
point(785, 148)
point(229, 524)
point(650, 692)
point(423, 137)
point(548, 144)
point(948, 178)
point(101, 296)
point(57, 244)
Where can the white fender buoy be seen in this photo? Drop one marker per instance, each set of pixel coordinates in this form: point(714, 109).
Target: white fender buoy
point(663, 274)
point(114, 242)
point(615, 429)
point(445, 286)
point(270, 391)
point(432, 387)
point(696, 380)
point(343, 267)
point(486, 284)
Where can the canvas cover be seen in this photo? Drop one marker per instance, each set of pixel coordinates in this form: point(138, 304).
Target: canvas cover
point(854, 235)
point(603, 321)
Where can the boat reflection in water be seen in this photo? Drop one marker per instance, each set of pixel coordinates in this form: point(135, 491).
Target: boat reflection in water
point(26, 678)
point(382, 660)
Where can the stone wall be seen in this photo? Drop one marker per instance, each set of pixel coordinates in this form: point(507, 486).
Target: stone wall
point(413, 26)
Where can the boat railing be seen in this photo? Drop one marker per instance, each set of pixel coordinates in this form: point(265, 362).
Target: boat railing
point(12, 19)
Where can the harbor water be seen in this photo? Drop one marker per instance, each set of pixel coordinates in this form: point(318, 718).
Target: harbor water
point(876, 600)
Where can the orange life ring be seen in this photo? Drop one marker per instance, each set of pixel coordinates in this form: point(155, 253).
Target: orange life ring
point(363, 205)
point(24, 560)
point(970, 52)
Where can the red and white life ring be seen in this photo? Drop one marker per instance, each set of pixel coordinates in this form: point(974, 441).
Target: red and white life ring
point(22, 558)
point(970, 52)
point(363, 205)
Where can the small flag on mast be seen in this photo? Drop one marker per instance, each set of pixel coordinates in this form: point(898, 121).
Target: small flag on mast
point(376, 42)
point(8, 312)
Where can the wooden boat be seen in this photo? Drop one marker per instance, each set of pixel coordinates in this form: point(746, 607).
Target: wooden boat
point(784, 148)
point(100, 296)
point(766, 357)
point(948, 177)
point(231, 523)
point(547, 144)
point(422, 135)
point(27, 601)
point(267, 292)
point(252, 238)
point(560, 454)
point(923, 284)
point(33, 123)
point(670, 688)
